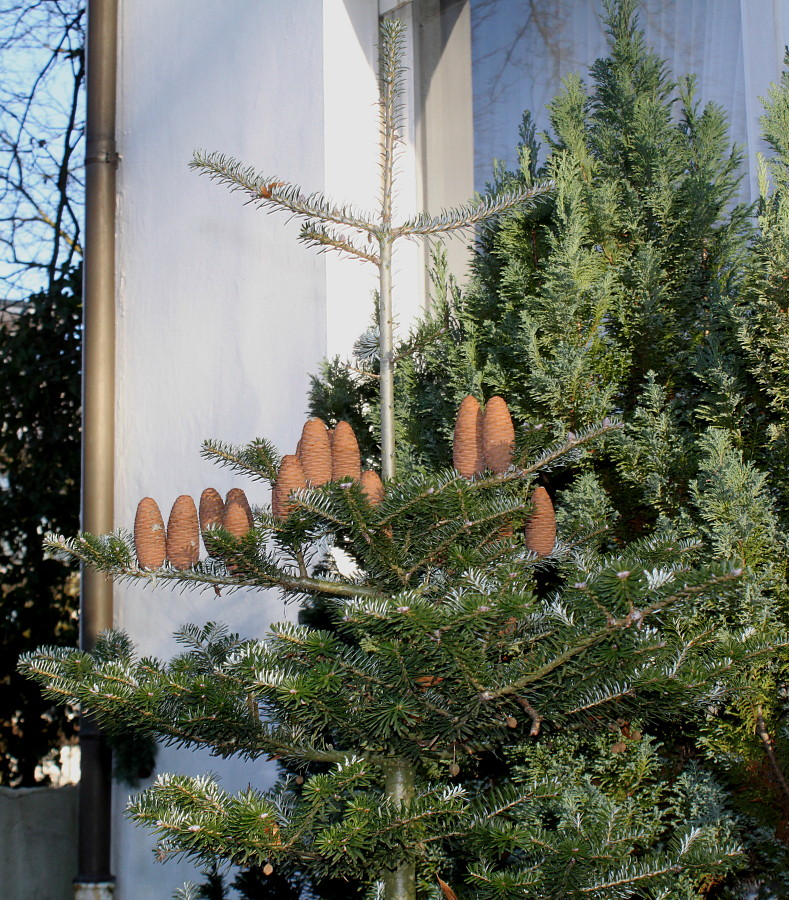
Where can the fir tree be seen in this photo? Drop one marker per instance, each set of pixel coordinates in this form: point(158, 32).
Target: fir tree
point(451, 643)
point(645, 291)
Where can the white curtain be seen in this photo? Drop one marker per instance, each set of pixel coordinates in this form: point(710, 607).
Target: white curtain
point(521, 49)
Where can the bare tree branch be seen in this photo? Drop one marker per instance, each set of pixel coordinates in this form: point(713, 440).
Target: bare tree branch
point(42, 72)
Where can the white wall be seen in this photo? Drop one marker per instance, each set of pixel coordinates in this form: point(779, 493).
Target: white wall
point(349, 139)
point(351, 166)
point(222, 314)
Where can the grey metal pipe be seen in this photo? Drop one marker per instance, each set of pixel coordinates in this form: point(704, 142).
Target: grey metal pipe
point(98, 420)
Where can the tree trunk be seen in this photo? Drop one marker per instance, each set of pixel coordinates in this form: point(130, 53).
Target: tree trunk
point(387, 361)
point(400, 883)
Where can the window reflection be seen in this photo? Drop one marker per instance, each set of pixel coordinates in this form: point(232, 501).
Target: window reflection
point(521, 49)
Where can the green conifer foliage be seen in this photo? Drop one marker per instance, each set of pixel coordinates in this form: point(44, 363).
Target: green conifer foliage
point(645, 291)
point(761, 313)
point(575, 302)
point(443, 649)
point(449, 646)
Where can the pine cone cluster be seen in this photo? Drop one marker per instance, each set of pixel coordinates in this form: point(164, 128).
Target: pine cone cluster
point(483, 440)
point(322, 455)
point(486, 440)
point(179, 544)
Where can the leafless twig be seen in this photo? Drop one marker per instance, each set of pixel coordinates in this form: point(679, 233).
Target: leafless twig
point(42, 73)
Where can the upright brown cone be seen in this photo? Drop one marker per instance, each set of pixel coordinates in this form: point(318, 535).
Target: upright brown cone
point(498, 435)
point(345, 458)
point(372, 487)
point(211, 508)
point(183, 534)
point(150, 540)
point(237, 516)
point(541, 528)
point(467, 454)
point(290, 478)
point(314, 452)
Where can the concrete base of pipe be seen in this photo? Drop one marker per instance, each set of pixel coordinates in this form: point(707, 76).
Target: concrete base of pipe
point(94, 890)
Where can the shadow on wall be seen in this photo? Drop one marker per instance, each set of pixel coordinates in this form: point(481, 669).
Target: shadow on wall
point(38, 850)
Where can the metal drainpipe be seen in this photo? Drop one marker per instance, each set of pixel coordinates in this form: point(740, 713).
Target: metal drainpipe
point(94, 880)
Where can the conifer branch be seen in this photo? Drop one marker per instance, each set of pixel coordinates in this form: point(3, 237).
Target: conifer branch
point(645, 872)
point(531, 712)
point(456, 529)
point(428, 333)
point(271, 193)
point(487, 207)
point(363, 372)
point(450, 481)
point(142, 693)
point(688, 590)
point(377, 540)
point(390, 91)
point(259, 459)
point(564, 448)
point(322, 237)
point(97, 553)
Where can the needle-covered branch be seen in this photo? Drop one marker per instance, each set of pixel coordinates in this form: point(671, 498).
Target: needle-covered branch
point(259, 459)
point(269, 192)
point(114, 555)
point(487, 207)
point(324, 238)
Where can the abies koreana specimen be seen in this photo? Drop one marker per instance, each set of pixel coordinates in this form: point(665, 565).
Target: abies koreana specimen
point(445, 630)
